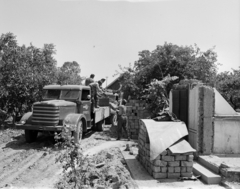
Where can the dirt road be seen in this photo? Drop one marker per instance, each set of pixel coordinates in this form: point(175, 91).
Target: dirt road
point(24, 165)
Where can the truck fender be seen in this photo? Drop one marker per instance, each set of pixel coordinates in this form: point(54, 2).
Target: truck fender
point(27, 117)
point(71, 121)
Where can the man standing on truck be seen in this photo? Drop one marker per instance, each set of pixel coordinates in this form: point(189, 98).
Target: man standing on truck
point(122, 120)
point(89, 80)
point(95, 91)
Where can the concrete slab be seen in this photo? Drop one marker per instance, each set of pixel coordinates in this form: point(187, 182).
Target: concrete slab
point(145, 181)
point(207, 176)
point(211, 162)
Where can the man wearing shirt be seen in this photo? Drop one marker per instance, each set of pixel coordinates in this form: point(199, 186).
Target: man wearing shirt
point(89, 80)
point(95, 91)
point(122, 120)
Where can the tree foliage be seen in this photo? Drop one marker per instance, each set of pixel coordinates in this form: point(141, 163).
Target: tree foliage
point(228, 84)
point(23, 73)
point(157, 95)
point(184, 62)
point(69, 73)
point(25, 70)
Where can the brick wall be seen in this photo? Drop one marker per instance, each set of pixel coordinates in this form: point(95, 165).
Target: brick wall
point(136, 110)
point(166, 165)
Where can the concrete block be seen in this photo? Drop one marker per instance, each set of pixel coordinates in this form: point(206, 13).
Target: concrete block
point(156, 169)
point(174, 163)
point(208, 102)
point(180, 158)
point(211, 165)
point(170, 169)
point(164, 153)
point(187, 163)
point(159, 175)
point(189, 169)
point(168, 158)
point(188, 153)
point(177, 169)
point(164, 169)
point(160, 163)
point(169, 152)
point(186, 174)
point(206, 175)
point(173, 175)
point(190, 158)
point(183, 169)
point(207, 135)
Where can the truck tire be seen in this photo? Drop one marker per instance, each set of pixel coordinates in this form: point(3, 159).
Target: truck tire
point(30, 135)
point(78, 133)
point(100, 125)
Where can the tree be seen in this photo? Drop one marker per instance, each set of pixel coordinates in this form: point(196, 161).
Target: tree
point(184, 62)
point(228, 84)
point(157, 95)
point(69, 73)
point(23, 73)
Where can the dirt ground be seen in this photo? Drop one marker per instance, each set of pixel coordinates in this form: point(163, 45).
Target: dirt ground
point(34, 165)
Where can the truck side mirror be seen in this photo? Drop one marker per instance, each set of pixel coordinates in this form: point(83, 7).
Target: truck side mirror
point(88, 97)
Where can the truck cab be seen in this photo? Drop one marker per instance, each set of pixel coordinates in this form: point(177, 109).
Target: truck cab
point(62, 106)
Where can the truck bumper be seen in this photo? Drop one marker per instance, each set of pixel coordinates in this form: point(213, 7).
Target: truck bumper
point(38, 127)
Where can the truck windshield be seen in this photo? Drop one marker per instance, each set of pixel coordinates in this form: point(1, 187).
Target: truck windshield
point(51, 94)
point(70, 94)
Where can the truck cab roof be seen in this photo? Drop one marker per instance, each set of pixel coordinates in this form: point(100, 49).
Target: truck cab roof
point(66, 87)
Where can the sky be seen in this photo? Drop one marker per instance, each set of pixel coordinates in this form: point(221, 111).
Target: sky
point(102, 34)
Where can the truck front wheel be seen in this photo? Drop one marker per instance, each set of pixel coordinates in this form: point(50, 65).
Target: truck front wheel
point(78, 133)
point(30, 135)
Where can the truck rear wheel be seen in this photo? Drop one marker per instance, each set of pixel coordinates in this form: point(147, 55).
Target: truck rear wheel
point(100, 125)
point(77, 134)
point(30, 135)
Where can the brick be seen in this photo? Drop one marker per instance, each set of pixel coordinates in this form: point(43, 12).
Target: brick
point(177, 169)
point(174, 163)
point(188, 153)
point(183, 169)
point(189, 169)
point(158, 157)
point(159, 175)
point(156, 169)
point(164, 169)
point(180, 158)
point(173, 175)
point(187, 163)
point(190, 158)
point(170, 169)
point(160, 163)
point(168, 158)
point(186, 174)
point(164, 153)
point(169, 152)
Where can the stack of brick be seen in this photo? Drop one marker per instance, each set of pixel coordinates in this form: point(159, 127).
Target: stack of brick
point(136, 110)
point(166, 165)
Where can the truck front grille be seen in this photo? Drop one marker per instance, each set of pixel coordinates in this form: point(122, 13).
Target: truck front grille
point(44, 114)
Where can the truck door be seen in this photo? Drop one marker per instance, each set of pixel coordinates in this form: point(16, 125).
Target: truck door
point(86, 104)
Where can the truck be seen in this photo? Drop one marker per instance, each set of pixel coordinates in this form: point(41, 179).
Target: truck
point(67, 106)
